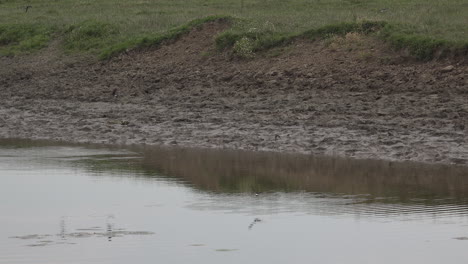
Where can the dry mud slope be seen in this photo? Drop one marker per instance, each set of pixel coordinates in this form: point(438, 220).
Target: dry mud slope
point(349, 96)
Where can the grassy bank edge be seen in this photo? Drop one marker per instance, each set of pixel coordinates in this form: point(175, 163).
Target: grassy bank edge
point(158, 39)
point(241, 40)
point(246, 42)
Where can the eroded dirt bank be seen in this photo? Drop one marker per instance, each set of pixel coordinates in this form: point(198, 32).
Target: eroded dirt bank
point(347, 96)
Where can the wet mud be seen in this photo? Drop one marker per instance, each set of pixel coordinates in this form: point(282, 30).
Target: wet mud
point(346, 96)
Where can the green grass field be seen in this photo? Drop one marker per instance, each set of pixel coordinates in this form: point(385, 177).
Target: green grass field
point(95, 26)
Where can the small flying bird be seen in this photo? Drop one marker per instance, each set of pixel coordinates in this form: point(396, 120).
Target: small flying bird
point(256, 220)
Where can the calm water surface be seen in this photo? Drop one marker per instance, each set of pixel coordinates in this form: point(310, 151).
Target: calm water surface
point(76, 204)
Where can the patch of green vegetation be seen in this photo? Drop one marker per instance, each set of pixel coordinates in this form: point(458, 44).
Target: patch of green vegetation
point(244, 44)
point(364, 27)
point(89, 35)
point(421, 46)
point(16, 39)
point(253, 41)
point(157, 39)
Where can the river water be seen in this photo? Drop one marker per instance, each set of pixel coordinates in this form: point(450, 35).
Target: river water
point(91, 204)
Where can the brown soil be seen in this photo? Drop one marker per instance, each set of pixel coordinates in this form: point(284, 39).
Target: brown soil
point(349, 96)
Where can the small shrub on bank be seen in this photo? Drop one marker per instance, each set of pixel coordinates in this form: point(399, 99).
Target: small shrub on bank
point(227, 39)
point(244, 47)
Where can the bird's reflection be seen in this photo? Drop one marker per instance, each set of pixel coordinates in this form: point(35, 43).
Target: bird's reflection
point(63, 228)
point(109, 231)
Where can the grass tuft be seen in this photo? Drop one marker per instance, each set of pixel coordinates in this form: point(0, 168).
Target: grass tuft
point(421, 47)
point(16, 39)
point(88, 35)
point(365, 27)
point(244, 48)
point(257, 41)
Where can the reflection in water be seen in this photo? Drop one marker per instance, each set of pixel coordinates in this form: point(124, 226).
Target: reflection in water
point(239, 171)
point(229, 171)
point(249, 172)
point(110, 228)
point(63, 228)
point(109, 231)
point(324, 184)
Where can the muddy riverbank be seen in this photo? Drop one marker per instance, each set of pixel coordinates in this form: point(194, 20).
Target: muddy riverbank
point(350, 96)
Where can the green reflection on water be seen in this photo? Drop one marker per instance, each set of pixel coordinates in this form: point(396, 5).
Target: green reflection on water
point(223, 171)
point(228, 171)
